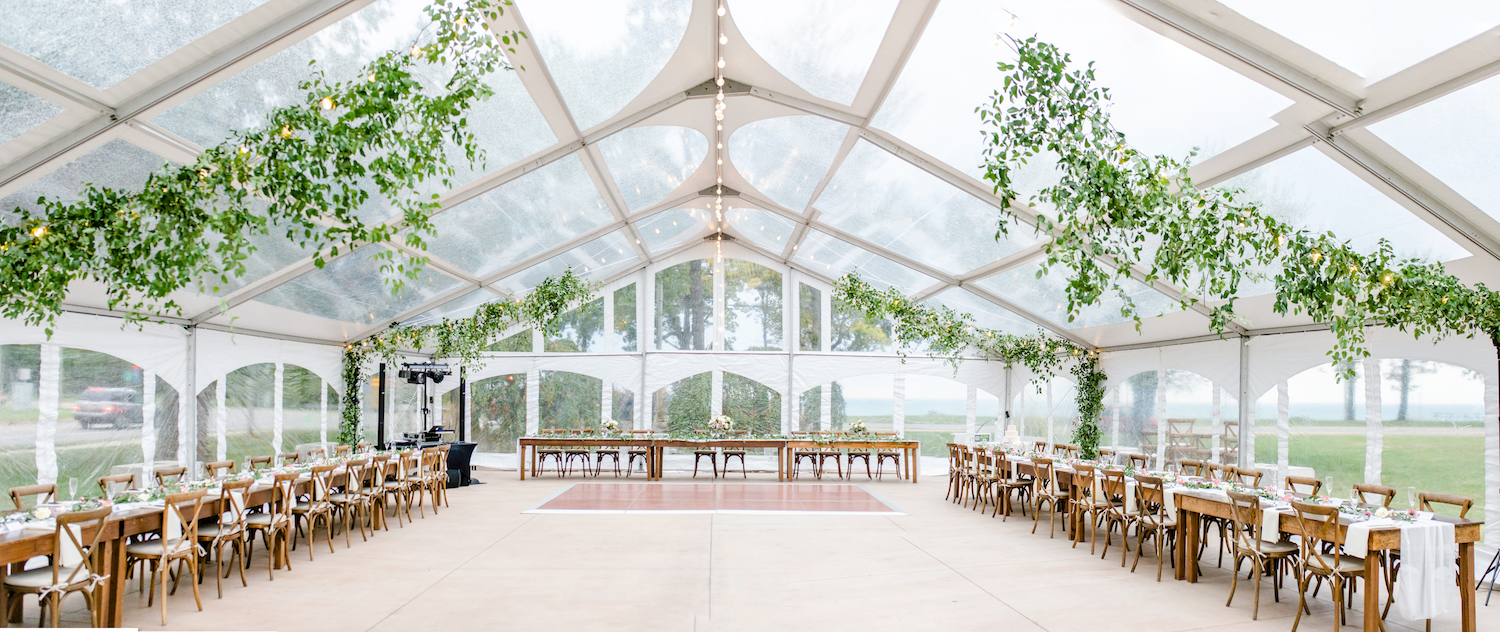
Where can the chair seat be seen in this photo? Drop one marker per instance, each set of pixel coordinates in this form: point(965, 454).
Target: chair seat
point(154, 548)
point(703, 452)
point(1152, 523)
point(40, 578)
point(211, 531)
point(344, 499)
point(262, 520)
point(1278, 549)
point(1344, 563)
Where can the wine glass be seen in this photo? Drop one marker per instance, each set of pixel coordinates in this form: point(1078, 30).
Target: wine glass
point(1411, 498)
point(73, 488)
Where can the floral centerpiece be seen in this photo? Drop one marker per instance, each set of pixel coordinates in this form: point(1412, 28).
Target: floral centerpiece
point(858, 427)
point(721, 423)
point(609, 425)
point(1400, 515)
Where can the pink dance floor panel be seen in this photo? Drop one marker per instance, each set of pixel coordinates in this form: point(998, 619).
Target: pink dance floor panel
point(714, 498)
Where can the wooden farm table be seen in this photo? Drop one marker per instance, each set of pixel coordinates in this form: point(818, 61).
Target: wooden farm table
point(910, 468)
point(1191, 509)
point(656, 450)
point(18, 546)
point(529, 445)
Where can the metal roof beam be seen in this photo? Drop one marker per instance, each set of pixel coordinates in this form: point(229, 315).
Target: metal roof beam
point(276, 34)
point(1274, 67)
point(1410, 190)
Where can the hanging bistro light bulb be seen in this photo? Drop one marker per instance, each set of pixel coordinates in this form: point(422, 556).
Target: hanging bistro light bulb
point(719, 107)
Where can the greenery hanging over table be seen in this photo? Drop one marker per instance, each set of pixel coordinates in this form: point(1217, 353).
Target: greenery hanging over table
point(951, 334)
point(464, 339)
point(304, 175)
point(1117, 214)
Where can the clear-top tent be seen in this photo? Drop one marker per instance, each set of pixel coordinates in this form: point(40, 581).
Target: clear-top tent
point(850, 142)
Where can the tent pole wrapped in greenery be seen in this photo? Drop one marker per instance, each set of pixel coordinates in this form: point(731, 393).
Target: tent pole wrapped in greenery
point(464, 339)
point(951, 334)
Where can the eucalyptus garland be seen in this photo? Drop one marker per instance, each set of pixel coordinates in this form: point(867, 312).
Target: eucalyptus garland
point(1116, 212)
point(305, 175)
point(463, 339)
point(951, 335)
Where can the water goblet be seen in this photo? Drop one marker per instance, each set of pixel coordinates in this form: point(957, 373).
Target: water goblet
point(73, 488)
point(1411, 498)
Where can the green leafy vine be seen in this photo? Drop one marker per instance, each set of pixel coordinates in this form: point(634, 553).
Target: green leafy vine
point(1118, 214)
point(463, 339)
point(305, 174)
point(951, 335)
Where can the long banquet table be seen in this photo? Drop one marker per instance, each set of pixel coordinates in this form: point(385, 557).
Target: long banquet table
point(18, 546)
point(1191, 508)
point(656, 447)
point(1192, 505)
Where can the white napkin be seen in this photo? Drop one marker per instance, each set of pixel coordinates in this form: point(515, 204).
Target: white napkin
point(1270, 522)
point(1357, 538)
point(1426, 587)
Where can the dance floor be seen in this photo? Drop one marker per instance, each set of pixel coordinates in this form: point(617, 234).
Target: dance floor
point(715, 498)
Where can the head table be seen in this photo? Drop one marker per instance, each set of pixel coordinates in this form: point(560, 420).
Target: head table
point(655, 448)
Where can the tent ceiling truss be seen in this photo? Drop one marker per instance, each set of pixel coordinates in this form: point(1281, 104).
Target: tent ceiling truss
point(1346, 112)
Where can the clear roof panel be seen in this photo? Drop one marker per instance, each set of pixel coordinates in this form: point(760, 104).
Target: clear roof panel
point(1047, 297)
point(242, 101)
point(101, 42)
point(887, 201)
point(1311, 191)
point(273, 252)
point(1462, 155)
point(669, 229)
point(834, 258)
point(763, 228)
point(597, 259)
point(516, 220)
point(353, 289)
point(22, 111)
point(785, 157)
point(116, 164)
point(824, 46)
point(601, 53)
point(1373, 38)
point(462, 307)
point(1166, 98)
point(649, 162)
point(986, 314)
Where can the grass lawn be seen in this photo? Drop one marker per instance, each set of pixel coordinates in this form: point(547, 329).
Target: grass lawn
point(1447, 464)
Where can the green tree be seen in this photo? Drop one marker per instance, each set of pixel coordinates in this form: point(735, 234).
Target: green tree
point(753, 406)
point(684, 306)
point(499, 405)
point(752, 295)
point(1401, 372)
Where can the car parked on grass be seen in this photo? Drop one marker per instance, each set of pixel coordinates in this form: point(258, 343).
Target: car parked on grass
point(112, 407)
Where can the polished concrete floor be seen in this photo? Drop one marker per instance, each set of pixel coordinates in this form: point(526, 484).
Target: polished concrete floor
point(483, 564)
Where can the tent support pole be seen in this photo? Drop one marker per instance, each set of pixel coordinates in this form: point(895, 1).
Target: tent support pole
point(188, 417)
point(1247, 410)
point(380, 412)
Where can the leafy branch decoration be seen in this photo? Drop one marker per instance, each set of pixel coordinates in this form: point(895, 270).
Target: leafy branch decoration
point(1115, 210)
point(304, 174)
point(462, 339)
point(951, 334)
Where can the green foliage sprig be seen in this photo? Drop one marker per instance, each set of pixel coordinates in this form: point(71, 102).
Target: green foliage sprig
point(951, 335)
point(305, 174)
point(1116, 212)
point(463, 339)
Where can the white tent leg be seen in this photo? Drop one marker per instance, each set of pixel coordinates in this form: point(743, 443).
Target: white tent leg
point(1283, 433)
point(898, 406)
point(277, 412)
point(148, 427)
point(46, 422)
point(1374, 430)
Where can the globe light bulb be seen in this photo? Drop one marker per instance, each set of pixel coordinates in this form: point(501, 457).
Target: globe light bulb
point(327, 103)
point(723, 39)
point(721, 11)
point(721, 62)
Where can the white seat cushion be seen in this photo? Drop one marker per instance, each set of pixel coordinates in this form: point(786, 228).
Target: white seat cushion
point(42, 577)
